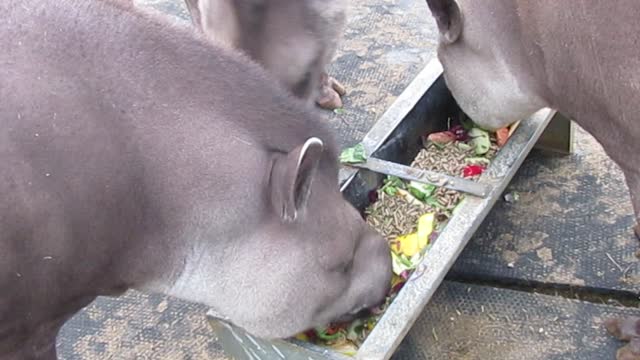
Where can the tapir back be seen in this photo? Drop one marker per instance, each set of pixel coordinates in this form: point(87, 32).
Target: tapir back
point(135, 154)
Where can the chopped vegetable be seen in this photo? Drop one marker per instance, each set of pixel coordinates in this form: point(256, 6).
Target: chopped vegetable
point(426, 224)
point(408, 244)
point(328, 334)
point(353, 155)
point(442, 137)
point(409, 197)
point(392, 184)
point(502, 135)
point(460, 133)
point(411, 244)
point(420, 190)
point(472, 170)
point(480, 141)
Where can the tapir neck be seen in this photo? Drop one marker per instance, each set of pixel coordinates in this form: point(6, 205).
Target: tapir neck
point(572, 43)
point(581, 48)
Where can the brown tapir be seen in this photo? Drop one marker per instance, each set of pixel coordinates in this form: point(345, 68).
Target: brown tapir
point(294, 39)
point(136, 154)
point(505, 59)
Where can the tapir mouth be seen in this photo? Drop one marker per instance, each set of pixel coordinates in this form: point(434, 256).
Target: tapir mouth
point(359, 312)
point(347, 318)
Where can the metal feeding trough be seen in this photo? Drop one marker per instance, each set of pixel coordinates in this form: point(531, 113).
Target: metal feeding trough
point(393, 142)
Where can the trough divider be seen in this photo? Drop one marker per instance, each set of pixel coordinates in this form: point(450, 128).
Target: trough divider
point(389, 120)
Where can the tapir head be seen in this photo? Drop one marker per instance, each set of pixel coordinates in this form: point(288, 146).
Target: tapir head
point(307, 260)
point(485, 64)
point(318, 259)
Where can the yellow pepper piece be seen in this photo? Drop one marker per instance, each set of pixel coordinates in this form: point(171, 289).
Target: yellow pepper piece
point(409, 244)
point(302, 337)
point(425, 228)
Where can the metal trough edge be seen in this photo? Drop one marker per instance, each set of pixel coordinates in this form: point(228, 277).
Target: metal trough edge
point(406, 308)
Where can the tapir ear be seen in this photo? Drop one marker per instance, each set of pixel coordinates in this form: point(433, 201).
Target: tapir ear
point(292, 177)
point(448, 17)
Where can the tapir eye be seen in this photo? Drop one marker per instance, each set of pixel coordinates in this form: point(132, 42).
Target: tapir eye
point(346, 267)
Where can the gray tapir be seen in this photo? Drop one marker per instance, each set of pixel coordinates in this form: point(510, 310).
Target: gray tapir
point(294, 39)
point(505, 59)
point(136, 154)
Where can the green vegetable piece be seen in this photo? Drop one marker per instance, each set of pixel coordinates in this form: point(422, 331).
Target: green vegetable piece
point(480, 141)
point(420, 190)
point(390, 190)
point(416, 193)
point(339, 111)
point(322, 334)
point(433, 202)
point(353, 155)
point(481, 146)
point(392, 184)
point(463, 146)
point(405, 261)
point(400, 263)
point(476, 132)
point(394, 181)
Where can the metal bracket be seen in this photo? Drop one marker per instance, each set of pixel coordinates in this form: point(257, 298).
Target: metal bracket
point(558, 137)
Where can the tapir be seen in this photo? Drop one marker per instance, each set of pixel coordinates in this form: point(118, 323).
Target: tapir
point(503, 60)
point(137, 154)
point(294, 39)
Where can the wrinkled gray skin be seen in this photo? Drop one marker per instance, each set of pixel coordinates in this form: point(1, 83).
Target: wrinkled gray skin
point(504, 59)
point(294, 39)
point(134, 154)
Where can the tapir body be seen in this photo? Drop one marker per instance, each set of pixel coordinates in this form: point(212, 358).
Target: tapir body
point(137, 154)
point(295, 40)
point(504, 59)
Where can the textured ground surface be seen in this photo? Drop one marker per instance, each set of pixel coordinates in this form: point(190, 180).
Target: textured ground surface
point(571, 226)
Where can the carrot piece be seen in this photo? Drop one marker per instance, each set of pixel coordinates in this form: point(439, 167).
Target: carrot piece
point(502, 135)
